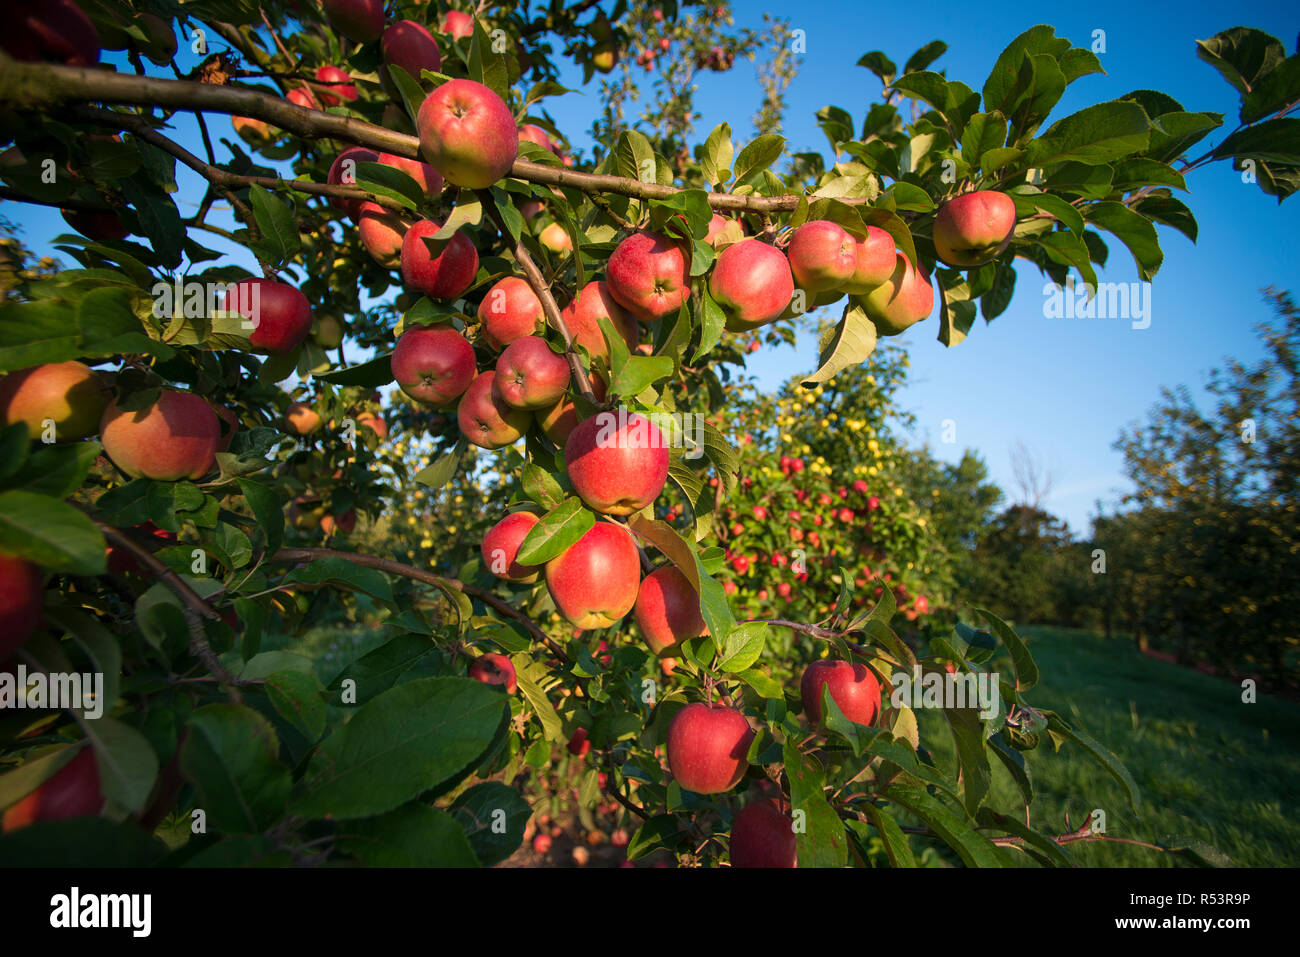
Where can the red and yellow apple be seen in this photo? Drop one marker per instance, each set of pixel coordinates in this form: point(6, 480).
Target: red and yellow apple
point(529, 375)
point(445, 276)
point(973, 228)
point(175, 438)
point(751, 281)
point(648, 275)
point(501, 546)
point(617, 462)
point(668, 610)
point(467, 133)
point(70, 394)
point(434, 365)
point(594, 581)
point(708, 747)
point(510, 311)
point(485, 420)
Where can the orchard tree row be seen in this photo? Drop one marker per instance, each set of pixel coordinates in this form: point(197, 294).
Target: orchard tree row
point(184, 459)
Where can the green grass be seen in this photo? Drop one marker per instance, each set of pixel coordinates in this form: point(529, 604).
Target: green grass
point(1210, 768)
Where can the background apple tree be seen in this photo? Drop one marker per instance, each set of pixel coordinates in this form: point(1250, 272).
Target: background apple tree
point(286, 631)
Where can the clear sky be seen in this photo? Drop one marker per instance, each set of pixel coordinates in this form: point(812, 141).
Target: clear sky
point(1063, 387)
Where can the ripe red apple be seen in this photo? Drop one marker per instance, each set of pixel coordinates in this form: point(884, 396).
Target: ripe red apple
point(668, 610)
point(852, 686)
point(175, 438)
point(501, 545)
point(345, 524)
point(359, 20)
point(20, 603)
point(902, 301)
point(485, 420)
point(467, 133)
point(617, 462)
point(510, 311)
point(53, 30)
point(822, 256)
point(874, 256)
point(751, 281)
point(457, 24)
point(302, 418)
point(374, 423)
point(280, 314)
point(70, 394)
point(428, 178)
point(305, 98)
point(336, 85)
point(409, 44)
point(559, 421)
point(72, 791)
point(529, 375)
point(434, 365)
point(102, 227)
point(445, 276)
point(494, 669)
point(594, 581)
point(707, 748)
point(648, 275)
point(716, 226)
point(974, 228)
point(532, 133)
point(762, 835)
point(582, 317)
point(343, 172)
point(382, 231)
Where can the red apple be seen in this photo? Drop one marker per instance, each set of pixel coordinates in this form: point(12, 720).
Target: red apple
point(280, 314)
point(467, 133)
point(69, 394)
point(617, 462)
point(510, 311)
point(20, 603)
point(532, 133)
point(445, 276)
point(434, 365)
point(428, 178)
point(556, 238)
point(648, 275)
point(762, 835)
point(343, 172)
point(336, 85)
point(344, 524)
point(382, 231)
point(53, 30)
point(529, 375)
point(457, 24)
point(974, 227)
point(594, 581)
point(668, 610)
point(302, 418)
point(852, 686)
point(874, 255)
point(485, 420)
point(717, 224)
point(501, 545)
point(902, 301)
point(494, 669)
point(101, 227)
point(559, 421)
point(359, 20)
point(256, 133)
point(582, 317)
point(302, 97)
point(707, 748)
point(175, 438)
point(409, 44)
point(822, 256)
point(751, 281)
point(72, 791)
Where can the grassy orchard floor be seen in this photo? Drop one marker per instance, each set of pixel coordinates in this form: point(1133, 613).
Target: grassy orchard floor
point(1210, 768)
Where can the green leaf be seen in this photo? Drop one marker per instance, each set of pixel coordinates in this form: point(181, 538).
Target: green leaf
point(984, 131)
point(1276, 89)
point(414, 835)
point(638, 373)
point(79, 843)
point(444, 467)
point(1133, 230)
point(1055, 853)
point(541, 486)
point(266, 509)
point(127, 764)
point(1094, 135)
point(891, 835)
point(1273, 141)
point(712, 322)
point(50, 533)
point(55, 470)
point(763, 683)
point(296, 697)
point(528, 675)
point(1114, 767)
point(923, 57)
point(880, 65)
point(341, 572)
point(1021, 658)
point(406, 741)
point(974, 850)
point(743, 646)
point(371, 374)
point(968, 736)
point(1015, 764)
point(378, 670)
point(660, 831)
point(231, 758)
point(555, 532)
point(493, 817)
point(1242, 55)
point(276, 223)
point(718, 154)
point(822, 841)
point(757, 156)
point(1001, 86)
point(849, 343)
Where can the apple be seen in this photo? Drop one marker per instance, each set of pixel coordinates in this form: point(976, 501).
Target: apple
point(254, 132)
point(668, 610)
point(344, 524)
point(822, 256)
point(361, 21)
point(485, 420)
point(902, 301)
point(336, 85)
point(69, 394)
point(751, 281)
point(555, 238)
point(494, 669)
point(510, 311)
point(529, 375)
point(617, 462)
point(532, 133)
point(328, 331)
point(280, 314)
point(582, 318)
point(852, 686)
point(434, 365)
point(718, 232)
point(457, 24)
point(102, 227)
point(53, 30)
point(648, 275)
point(578, 746)
point(501, 545)
point(707, 747)
point(72, 791)
point(445, 276)
point(428, 178)
point(303, 97)
point(343, 172)
point(875, 261)
point(409, 44)
point(302, 418)
point(594, 581)
point(558, 422)
point(974, 228)
point(20, 603)
point(374, 423)
point(762, 835)
point(382, 232)
point(175, 438)
point(467, 133)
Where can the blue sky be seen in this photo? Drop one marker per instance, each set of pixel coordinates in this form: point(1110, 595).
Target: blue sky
point(1062, 387)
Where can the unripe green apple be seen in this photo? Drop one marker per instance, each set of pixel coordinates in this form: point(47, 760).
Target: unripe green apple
point(974, 228)
point(175, 438)
point(708, 747)
point(467, 133)
point(328, 331)
point(69, 394)
point(594, 581)
point(902, 301)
